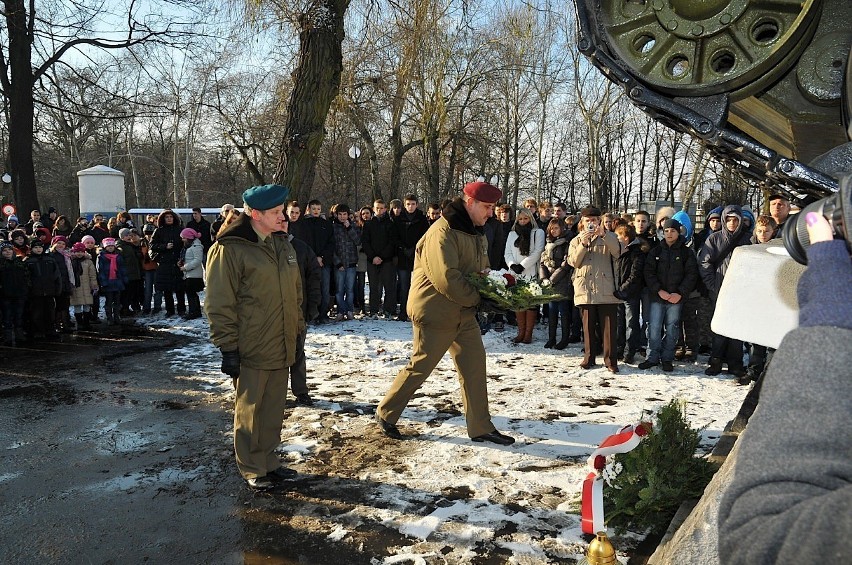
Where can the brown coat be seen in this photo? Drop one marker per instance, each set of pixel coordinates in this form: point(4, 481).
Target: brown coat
point(594, 274)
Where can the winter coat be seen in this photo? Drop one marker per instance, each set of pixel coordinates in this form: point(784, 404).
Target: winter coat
point(346, 242)
point(168, 274)
point(512, 254)
point(311, 274)
point(714, 256)
point(244, 310)
point(66, 274)
point(554, 266)
point(378, 238)
point(193, 260)
point(630, 270)
point(14, 278)
point(409, 229)
point(318, 233)
point(441, 296)
point(87, 281)
point(44, 275)
point(118, 281)
point(203, 227)
point(99, 232)
point(594, 269)
point(496, 242)
point(77, 234)
point(132, 255)
point(671, 268)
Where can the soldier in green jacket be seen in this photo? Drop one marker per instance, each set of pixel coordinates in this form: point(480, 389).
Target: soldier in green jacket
point(254, 305)
point(442, 307)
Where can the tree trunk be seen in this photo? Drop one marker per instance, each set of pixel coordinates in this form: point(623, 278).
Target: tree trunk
point(21, 108)
point(316, 83)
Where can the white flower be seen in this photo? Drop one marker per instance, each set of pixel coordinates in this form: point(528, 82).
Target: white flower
point(611, 471)
point(534, 288)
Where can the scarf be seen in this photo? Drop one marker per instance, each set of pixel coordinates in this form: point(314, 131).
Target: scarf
point(71, 274)
point(547, 255)
point(524, 236)
point(77, 265)
point(113, 265)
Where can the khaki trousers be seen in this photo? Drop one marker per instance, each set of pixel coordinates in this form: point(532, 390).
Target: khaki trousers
point(465, 346)
point(258, 416)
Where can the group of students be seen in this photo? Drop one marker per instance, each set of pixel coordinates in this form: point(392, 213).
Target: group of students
point(634, 287)
point(46, 274)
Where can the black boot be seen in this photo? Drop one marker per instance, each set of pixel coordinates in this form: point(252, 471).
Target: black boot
point(715, 367)
point(566, 335)
point(551, 336)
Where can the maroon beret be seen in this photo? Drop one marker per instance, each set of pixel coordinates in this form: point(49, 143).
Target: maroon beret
point(484, 192)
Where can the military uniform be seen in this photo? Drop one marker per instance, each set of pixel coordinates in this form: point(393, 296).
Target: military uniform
point(254, 305)
point(442, 307)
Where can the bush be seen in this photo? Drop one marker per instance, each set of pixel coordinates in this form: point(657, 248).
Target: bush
point(657, 476)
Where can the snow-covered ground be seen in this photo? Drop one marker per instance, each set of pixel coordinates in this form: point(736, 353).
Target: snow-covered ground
point(452, 498)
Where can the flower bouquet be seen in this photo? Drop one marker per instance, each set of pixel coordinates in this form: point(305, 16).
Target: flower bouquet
point(508, 291)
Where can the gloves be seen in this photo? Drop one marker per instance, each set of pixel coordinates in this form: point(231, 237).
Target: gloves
point(517, 268)
point(546, 283)
point(487, 306)
point(231, 363)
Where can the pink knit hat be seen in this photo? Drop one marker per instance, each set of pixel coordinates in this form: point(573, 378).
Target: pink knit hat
point(107, 241)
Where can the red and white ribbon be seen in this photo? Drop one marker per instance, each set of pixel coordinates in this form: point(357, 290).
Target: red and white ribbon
point(627, 438)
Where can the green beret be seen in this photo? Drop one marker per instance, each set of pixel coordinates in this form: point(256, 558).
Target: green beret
point(266, 197)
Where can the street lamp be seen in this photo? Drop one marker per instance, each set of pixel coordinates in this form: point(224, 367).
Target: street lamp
point(354, 153)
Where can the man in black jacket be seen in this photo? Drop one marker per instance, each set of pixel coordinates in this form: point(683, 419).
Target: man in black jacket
point(311, 274)
point(410, 226)
point(671, 273)
point(202, 226)
point(378, 240)
point(318, 233)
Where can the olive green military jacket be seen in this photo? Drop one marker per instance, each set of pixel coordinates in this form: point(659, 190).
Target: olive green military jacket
point(254, 296)
point(452, 248)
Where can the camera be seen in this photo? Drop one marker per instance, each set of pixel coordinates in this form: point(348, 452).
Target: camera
point(837, 209)
point(590, 227)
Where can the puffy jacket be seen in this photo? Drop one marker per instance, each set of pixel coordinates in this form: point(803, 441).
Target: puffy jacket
point(44, 275)
point(630, 270)
point(63, 263)
point(87, 281)
point(554, 266)
point(346, 242)
point(715, 254)
point(14, 278)
point(109, 283)
point(254, 296)
point(594, 269)
point(441, 296)
point(378, 238)
point(512, 254)
point(132, 255)
point(671, 268)
point(409, 229)
point(318, 233)
point(193, 260)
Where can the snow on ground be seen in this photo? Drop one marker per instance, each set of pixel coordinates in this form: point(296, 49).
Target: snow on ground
point(451, 497)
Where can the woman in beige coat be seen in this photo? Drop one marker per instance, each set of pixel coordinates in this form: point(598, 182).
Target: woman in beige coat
point(592, 254)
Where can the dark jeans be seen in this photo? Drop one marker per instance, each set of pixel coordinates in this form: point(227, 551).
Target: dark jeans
point(629, 328)
point(554, 311)
point(148, 295)
point(404, 279)
point(382, 278)
point(728, 350)
point(663, 315)
point(345, 280)
point(360, 287)
point(325, 286)
point(13, 313)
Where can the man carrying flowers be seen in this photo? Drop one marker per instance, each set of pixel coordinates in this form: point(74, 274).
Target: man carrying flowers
point(442, 307)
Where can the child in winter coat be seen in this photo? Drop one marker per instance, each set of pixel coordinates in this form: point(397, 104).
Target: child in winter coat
point(555, 272)
point(82, 296)
point(630, 281)
point(14, 289)
point(62, 256)
point(191, 264)
point(112, 279)
point(92, 251)
point(45, 286)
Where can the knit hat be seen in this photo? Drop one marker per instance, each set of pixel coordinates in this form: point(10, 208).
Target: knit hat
point(665, 212)
point(6, 245)
point(56, 239)
point(87, 239)
point(189, 233)
point(266, 197)
point(671, 223)
point(483, 192)
point(12, 218)
point(778, 195)
point(108, 241)
point(18, 233)
point(148, 228)
point(715, 213)
point(36, 243)
point(78, 248)
point(124, 232)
